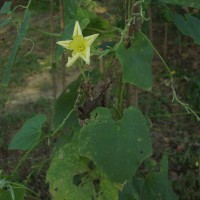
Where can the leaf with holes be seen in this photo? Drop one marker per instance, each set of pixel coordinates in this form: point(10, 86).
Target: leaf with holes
point(74, 177)
point(116, 147)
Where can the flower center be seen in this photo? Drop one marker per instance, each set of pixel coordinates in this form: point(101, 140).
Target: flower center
point(78, 44)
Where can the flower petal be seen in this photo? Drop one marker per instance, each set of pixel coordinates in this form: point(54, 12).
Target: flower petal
point(64, 43)
point(79, 45)
point(90, 39)
point(86, 58)
point(72, 59)
point(77, 29)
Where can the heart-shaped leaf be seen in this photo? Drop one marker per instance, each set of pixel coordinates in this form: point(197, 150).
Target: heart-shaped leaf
point(29, 134)
point(116, 147)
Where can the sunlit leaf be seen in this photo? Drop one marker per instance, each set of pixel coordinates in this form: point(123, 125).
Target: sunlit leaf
point(189, 26)
point(29, 134)
point(71, 177)
point(188, 3)
point(65, 166)
point(117, 147)
point(136, 62)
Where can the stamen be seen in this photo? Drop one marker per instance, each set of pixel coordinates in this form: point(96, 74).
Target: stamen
point(78, 44)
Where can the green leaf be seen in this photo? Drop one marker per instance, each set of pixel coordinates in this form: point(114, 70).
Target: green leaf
point(70, 8)
point(188, 3)
point(116, 147)
point(95, 22)
point(156, 185)
point(136, 62)
point(18, 193)
point(29, 135)
point(22, 32)
point(129, 192)
point(64, 105)
point(107, 190)
point(71, 177)
point(64, 168)
point(5, 8)
point(189, 26)
point(5, 22)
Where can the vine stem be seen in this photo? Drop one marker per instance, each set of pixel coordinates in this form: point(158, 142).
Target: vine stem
point(82, 72)
point(120, 97)
point(23, 158)
point(161, 58)
point(29, 3)
point(171, 82)
point(129, 9)
point(173, 114)
point(33, 147)
point(63, 122)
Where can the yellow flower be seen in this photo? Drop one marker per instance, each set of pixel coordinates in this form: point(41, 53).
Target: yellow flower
point(79, 45)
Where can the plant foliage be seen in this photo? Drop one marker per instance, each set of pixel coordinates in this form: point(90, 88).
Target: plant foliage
point(102, 141)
